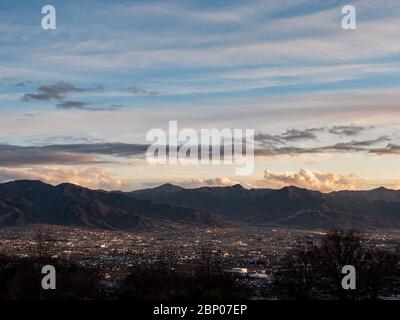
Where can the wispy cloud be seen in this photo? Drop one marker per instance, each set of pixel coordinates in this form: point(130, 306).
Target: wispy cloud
point(67, 154)
point(88, 106)
point(57, 91)
point(348, 130)
point(290, 135)
point(312, 134)
point(365, 146)
point(139, 91)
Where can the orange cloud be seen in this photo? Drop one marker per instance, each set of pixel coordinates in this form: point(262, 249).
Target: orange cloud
point(212, 182)
point(325, 182)
point(90, 177)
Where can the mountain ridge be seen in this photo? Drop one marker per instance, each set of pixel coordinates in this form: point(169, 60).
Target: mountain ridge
point(168, 205)
point(291, 206)
point(25, 201)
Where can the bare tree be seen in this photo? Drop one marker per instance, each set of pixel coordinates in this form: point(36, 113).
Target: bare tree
point(314, 270)
point(298, 276)
point(43, 247)
point(340, 248)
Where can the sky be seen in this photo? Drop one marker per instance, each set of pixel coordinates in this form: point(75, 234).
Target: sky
point(77, 102)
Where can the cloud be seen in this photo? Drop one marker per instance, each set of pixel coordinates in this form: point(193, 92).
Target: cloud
point(19, 156)
point(325, 182)
point(312, 180)
point(138, 91)
point(212, 182)
point(111, 149)
point(355, 145)
point(295, 135)
point(90, 177)
point(94, 153)
point(30, 115)
point(63, 139)
point(349, 130)
point(57, 91)
point(389, 149)
point(350, 146)
point(73, 105)
point(310, 134)
point(80, 105)
point(290, 135)
point(66, 154)
point(266, 138)
point(12, 82)
point(22, 84)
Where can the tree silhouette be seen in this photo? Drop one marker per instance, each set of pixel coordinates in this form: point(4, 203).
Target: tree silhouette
point(313, 270)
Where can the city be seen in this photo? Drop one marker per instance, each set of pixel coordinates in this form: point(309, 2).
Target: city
point(252, 255)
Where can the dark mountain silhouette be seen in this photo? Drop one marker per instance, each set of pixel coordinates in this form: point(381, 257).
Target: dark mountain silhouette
point(289, 206)
point(224, 201)
point(25, 202)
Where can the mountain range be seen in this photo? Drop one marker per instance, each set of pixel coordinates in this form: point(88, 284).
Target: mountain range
point(169, 206)
point(289, 206)
point(34, 202)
